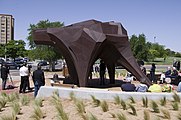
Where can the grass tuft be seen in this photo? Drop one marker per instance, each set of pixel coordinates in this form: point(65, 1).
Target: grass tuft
point(123, 104)
point(8, 117)
point(113, 115)
point(176, 97)
point(16, 108)
point(146, 115)
point(175, 106)
point(145, 102)
point(179, 116)
point(80, 106)
point(38, 102)
point(132, 99)
point(12, 97)
point(3, 102)
point(166, 114)
point(163, 101)
point(61, 113)
point(133, 109)
point(117, 100)
point(155, 107)
point(104, 106)
point(121, 116)
point(24, 100)
point(3, 94)
point(56, 93)
point(92, 117)
point(72, 96)
point(37, 113)
point(55, 99)
point(95, 101)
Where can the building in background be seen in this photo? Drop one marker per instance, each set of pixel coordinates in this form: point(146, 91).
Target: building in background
point(6, 28)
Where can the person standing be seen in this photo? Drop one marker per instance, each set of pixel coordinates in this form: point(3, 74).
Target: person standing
point(152, 73)
point(38, 79)
point(4, 75)
point(24, 73)
point(178, 65)
point(102, 72)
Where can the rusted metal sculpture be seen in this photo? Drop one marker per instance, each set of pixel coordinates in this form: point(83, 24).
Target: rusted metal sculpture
point(83, 43)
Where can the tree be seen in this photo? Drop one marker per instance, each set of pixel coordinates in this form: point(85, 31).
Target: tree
point(2, 50)
point(15, 48)
point(139, 47)
point(43, 52)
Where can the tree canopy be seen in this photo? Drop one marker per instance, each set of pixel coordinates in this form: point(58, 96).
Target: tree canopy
point(15, 48)
point(43, 52)
point(143, 50)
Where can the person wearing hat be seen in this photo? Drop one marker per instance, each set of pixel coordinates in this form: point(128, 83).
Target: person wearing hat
point(127, 86)
point(38, 79)
point(4, 75)
point(24, 73)
point(166, 85)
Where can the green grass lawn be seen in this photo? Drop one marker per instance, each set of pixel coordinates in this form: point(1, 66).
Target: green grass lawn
point(160, 61)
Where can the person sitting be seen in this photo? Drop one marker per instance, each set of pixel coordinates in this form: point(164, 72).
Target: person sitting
point(174, 73)
point(155, 87)
point(127, 86)
point(168, 72)
point(141, 88)
point(162, 77)
point(179, 87)
point(167, 87)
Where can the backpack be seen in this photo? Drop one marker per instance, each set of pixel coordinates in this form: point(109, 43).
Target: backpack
point(10, 87)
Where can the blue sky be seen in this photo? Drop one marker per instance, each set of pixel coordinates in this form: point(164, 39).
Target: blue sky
point(160, 18)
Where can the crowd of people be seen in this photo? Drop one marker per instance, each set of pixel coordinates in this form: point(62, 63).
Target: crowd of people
point(25, 73)
point(172, 76)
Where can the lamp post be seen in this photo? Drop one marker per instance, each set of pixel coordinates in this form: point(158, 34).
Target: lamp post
point(154, 38)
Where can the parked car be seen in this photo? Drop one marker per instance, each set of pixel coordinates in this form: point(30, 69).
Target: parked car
point(12, 65)
point(1, 61)
point(19, 62)
point(42, 63)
